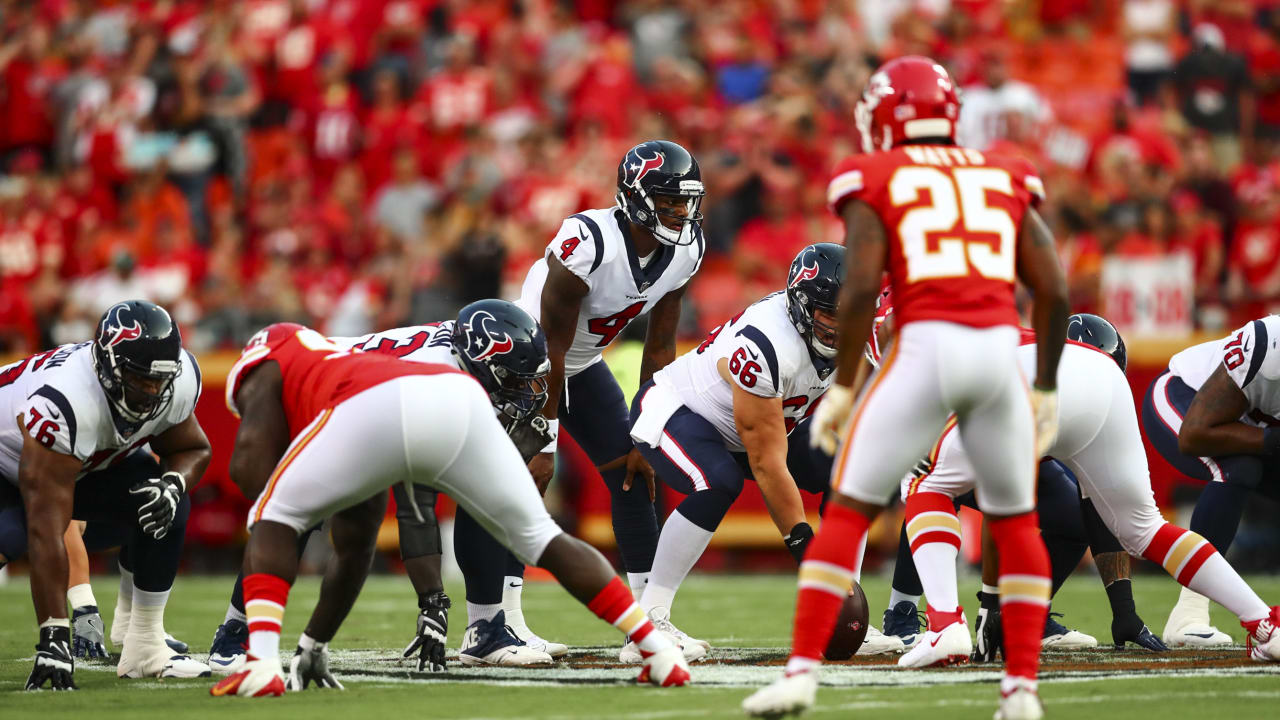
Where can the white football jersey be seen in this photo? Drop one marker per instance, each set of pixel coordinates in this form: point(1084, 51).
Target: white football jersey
point(767, 357)
point(594, 245)
point(1252, 358)
point(430, 343)
point(65, 409)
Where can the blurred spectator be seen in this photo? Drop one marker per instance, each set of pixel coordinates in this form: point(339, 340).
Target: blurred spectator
point(1214, 85)
point(1149, 27)
point(401, 205)
point(987, 106)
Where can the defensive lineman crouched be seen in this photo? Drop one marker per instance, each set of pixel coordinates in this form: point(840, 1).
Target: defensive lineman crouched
point(332, 428)
point(724, 411)
point(79, 417)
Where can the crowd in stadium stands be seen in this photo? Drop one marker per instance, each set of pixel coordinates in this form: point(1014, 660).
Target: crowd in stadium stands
point(358, 164)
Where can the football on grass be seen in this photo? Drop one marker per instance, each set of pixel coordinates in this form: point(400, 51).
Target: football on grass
point(851, 626)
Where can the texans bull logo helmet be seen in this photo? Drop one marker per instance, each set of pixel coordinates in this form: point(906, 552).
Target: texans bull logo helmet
point(813, 284)
point(660, 188)
point(137, 354)
point(505, 349)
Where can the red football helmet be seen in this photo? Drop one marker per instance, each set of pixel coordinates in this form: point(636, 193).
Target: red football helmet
point(908, 98)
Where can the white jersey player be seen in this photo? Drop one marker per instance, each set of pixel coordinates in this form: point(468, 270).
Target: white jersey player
point(724, 411)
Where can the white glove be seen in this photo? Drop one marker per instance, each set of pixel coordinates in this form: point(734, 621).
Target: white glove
point(1044, 406)
point(830, 418)
point(311, 665)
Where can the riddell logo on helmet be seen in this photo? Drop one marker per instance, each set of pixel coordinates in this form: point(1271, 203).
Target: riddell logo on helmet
point(638, 166)
point(116, 332)
point(807, 272)
point(484, 343)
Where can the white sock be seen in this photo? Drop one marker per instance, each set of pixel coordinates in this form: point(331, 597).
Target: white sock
point(1009, 683)
point(81, 595)
point(476, 613)
point(637, 581)
point(512, 587)
point(1192, 602)
point(679, 547)
point(1217, 579)
point(862, 554)
point(801, 664)
point(936, 563)
point(234, 613)
point(124, 608)
point(146, 624)
point(896, 597)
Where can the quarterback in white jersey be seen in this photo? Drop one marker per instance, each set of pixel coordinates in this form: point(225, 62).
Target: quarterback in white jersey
point(82, 411)
point(603, 269)
point(724, 411)
point(1215, 416)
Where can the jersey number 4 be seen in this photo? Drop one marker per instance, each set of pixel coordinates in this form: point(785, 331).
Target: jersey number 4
point(958, 203)
point(609, 327)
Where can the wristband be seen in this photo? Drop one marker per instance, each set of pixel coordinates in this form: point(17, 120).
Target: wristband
point(553, 427)
point(1271, 441)
point(798, 540)
point(81, 595)
point(56, 623)
point(176, 478)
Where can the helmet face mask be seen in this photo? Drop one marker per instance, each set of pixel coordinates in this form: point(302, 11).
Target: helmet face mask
point(813, 294)
point(660, 189)
point(504, 348)
point(136, 354)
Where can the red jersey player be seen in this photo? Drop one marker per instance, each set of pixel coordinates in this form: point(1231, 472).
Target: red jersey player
point(954, 228)
point(323, 429)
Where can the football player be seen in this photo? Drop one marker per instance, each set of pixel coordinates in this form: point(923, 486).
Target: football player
point(603, 269)
point(724, 411)
point(514, 373)
point(84, 422)
point(954, 228)
point(1213, 416)
point(324, 428)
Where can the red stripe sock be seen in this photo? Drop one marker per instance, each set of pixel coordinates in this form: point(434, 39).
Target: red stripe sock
point(825, 578)
point(617, 606)
point(1025, 586)
point(264, 600)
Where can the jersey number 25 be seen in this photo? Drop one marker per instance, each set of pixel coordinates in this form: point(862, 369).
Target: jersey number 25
point(958, 202)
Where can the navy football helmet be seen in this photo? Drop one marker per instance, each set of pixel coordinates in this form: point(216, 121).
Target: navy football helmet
point(814, 283)
point(656, 179)
point(505, 349)
point(1098, 332)
point(137, 353)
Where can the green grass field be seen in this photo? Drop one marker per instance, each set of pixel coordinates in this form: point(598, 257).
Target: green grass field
point(747, 620)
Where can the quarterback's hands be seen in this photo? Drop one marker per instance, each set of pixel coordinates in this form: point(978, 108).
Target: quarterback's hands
point(1131, 629)
point(88, 637)
point(531, 436)
point(308, 666)
point(542, 466)
point(1044, 405)
point(433, 629)
point(830, 418)
point(53, 660)
point(637, 465)
point(990, 634)
point(160, 498)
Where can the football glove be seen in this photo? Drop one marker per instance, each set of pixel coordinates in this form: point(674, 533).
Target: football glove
point(1130, 628)
point(990, 634)
point(531, 436)
point(798, 540)
point(433, 631)
point(88, 633)
point(830, 418)
point(53, 660)
point(308, 666)
point(160, 498)
point(1044, 406)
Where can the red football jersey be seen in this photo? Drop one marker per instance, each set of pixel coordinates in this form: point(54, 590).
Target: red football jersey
point(952, 216)
point(318, 374)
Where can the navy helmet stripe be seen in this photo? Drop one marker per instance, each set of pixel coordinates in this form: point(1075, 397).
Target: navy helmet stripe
point(755, 335)
point(56, 397)
point(596, 235)
point(1260, 347)
point(195, 366)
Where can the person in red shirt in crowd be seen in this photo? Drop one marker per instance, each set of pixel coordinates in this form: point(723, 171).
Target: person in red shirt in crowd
point(1253, 264)
point(343, 215)
point(317, 276)
point(1198, 234)
point(388, 124)
point(605, 91)
point(31, 241)
point(152, 202)
point(333, 121)
point(173, 265)
point(1128, 142)
point(456, 98)
point(769, 241)
point(297, 53)
point(1151, 236)
point(27, 78)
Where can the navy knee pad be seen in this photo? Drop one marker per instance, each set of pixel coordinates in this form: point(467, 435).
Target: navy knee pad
point(706, 508)
point(156, 561)
point(417, 538)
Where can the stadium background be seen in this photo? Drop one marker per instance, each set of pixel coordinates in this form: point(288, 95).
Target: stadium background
point(358, 165)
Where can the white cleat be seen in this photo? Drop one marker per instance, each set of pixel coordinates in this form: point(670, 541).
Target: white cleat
point(1023, 703)
point(1059, 637)
point(259, 678)
point(693, 648)
point(788, 695)
point(157, 660)
point(949, 646)
point(1188, 624)
point(1263, 641)
point(877, 643)
point(533, 640)
point(491, 642)
point(666, 668)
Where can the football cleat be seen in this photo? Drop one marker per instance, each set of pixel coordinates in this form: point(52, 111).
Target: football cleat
point(877, 643)
point(788, 695)
point(259, 678)
point(491, 642)
point(1058, 637)
point(533, 640)
point(903, 622)
point(1021, 703)
point(692, 648)
point(1188, 624)
point(227, 651)
point(157, 661)
point(1263, 640)
point(665, 668)
point(176, 645)
point(950, 644)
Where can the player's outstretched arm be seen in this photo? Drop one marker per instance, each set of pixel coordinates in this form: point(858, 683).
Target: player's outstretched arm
point(1040, 270)
point(185, 449)
point(264, 430)
point(660, 338)
point(1212, 426)
point(764, 435)
point(562, 296)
